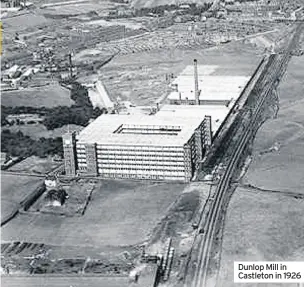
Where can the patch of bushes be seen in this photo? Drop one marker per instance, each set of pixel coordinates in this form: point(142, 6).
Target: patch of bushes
point(17, 144)
point(79, 113)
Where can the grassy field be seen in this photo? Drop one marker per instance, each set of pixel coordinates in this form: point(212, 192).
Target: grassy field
point(24, 21)
point(35, 164)
point(49, 96)
point(75, 205)
point(261, 227)
point(282, 169)
point(73, 9)
point(141, 77)
point(39, 130)
point(14, 189)
point(120, 213)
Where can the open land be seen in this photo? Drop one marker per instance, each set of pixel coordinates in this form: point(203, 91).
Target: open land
point(48, 96)
point(124, 76)
point(260, 224)
point(282, 169)
point(79, 194)
point(14, 189)
point(120, 217)
point(35, 164)
point(37, 131)
point(261, 227)
point(120, 213)
point(123, 215)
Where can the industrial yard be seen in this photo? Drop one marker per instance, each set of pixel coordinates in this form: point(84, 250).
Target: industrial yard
point(147, 143)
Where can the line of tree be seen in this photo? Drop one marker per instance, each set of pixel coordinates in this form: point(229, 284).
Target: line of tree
point(18, 144)
point(79, 113)
point(193, 9)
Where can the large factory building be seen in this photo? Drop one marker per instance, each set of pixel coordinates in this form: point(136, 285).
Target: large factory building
point(208, 88)
point(143, 147)
point(167, 145)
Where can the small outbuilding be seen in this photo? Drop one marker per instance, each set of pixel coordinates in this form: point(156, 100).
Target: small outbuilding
point(50, 182)
point(56, 197)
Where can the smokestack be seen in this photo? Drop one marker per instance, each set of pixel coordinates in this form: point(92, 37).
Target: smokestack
point(70, 65)
point(196, 83)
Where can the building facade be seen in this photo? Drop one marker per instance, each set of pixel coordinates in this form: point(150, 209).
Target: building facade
point(69, 150)
point(167, 145)
point(161, 152)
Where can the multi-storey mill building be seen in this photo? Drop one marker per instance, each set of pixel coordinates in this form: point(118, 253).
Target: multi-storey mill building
point(139, 146)
point(168, 145)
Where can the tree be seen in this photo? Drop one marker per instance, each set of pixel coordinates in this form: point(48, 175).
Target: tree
point(17, 144)
point(79, 113)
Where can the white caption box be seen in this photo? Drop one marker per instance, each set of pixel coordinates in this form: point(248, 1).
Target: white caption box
point(268, 272)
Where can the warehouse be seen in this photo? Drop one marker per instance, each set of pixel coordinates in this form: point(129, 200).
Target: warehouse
point(211, 89)
point(214, 90)
point(165, 146)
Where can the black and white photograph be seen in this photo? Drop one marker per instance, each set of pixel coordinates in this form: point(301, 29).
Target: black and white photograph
point(152, 143)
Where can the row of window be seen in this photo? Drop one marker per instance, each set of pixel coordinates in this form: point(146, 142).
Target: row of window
point(136, 158)
point(134, 148)
point(132, 170)
point(141, 156)
point(81, 155)
point(128, 174)
point(82, 164)
point(140, 148)
point(142, 176)
point(141, 162)
point(143, 167)
point(146, 169)
point(142, 153)
point(135, 162)
point(142, 159)
point(132, 160)
point(132, 154)
point(138, 164)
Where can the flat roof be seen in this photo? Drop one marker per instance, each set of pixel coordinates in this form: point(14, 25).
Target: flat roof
point(212, 87)
point(218, 113)
point(202, 70)
point(183, 120)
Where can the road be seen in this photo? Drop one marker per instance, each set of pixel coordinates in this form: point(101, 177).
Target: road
point(274, 71)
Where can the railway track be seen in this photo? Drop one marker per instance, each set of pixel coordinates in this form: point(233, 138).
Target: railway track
point(268, 81)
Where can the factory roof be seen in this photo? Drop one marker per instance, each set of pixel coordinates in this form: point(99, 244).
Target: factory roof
point(218, 113)
point(202, 70)
point(211, 87)
point(172, 126)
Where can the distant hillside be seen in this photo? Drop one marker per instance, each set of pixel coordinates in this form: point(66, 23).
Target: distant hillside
point(153, 3)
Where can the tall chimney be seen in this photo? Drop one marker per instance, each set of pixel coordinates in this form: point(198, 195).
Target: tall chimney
point(196, 83)
point(70, 65)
